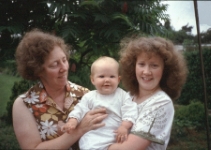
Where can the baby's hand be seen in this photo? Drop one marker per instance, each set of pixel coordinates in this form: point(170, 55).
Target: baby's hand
point(70, 125)
point(121, 134)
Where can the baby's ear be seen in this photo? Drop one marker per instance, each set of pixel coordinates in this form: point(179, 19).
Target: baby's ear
point(91, 78)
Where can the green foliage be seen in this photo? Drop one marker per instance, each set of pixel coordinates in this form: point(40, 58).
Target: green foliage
point(82, 77)
point(17, 17)
point(98, 24)
point(183, 36)
point(193, 89)
point(6, 82)
point(7, 137)
point(189, 45)
point(179, 37)
point(9, 67)
point(191, 116)
point(17, 89)
point(188, 130)
point(206, 36)
point(94, 28)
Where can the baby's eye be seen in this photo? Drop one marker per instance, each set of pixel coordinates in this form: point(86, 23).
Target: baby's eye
point(101, 76)
point(112, 76)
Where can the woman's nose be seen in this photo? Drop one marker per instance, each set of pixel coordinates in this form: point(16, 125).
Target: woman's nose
point(147, 70)
point(64, 66)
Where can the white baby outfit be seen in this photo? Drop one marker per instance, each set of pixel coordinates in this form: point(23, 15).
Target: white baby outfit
point(119, 107)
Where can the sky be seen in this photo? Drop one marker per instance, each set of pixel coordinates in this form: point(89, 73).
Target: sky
point(182, 13)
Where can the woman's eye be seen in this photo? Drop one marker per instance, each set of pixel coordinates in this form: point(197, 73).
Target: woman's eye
point(154, 65)
point(54, 64)
point(141, 64)
point(64, 60)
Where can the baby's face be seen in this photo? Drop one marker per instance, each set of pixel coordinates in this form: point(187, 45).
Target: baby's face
point(105, 78)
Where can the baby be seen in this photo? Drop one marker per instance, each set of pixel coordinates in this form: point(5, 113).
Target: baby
point(122, 112)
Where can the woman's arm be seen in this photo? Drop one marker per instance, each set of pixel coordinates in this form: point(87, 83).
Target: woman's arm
point(28, 135)
point(133, 142)
point(160, 109)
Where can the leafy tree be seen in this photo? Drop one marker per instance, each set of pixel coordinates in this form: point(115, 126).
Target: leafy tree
point(181, 36)
point(206, 36)
point(187, 28)
point(193, 89)
point(18, 16)
point(167, 24)
point(92, 27)
point(95, 27)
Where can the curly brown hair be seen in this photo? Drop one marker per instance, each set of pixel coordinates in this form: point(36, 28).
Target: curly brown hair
point(33, 49)
point(175, 68)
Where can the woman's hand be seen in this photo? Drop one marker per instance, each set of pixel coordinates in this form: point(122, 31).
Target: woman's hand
point(93, 120)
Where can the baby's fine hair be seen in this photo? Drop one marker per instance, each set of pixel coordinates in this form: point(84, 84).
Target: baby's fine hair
point(175, 68)
point(105, 59)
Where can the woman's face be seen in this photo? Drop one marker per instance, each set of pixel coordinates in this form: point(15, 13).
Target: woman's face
point(149, 71)
point(55, 69)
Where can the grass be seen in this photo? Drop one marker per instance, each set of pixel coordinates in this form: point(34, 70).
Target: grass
point(6, 84)
point(190, 140)
point(7, 136)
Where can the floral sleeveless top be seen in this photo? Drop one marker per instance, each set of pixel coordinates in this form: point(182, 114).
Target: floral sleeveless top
point(46, 112)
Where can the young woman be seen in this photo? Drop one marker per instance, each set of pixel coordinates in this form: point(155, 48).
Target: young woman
point(154, 73)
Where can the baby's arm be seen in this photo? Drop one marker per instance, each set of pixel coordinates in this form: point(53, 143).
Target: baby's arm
point(70, 125)
point(77, 114)
point(122, 131)
point(129, 112)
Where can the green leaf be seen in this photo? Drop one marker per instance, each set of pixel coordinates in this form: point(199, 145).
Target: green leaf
point(102, 18)
point(117, 16)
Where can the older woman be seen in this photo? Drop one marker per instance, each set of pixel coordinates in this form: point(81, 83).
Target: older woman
point(39, 113)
